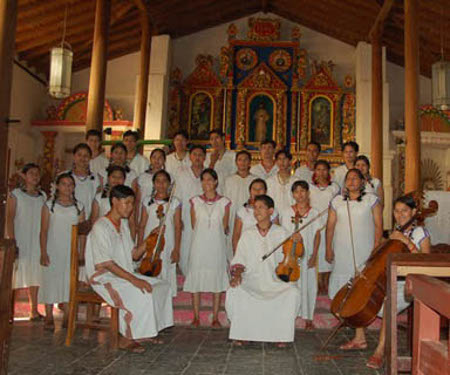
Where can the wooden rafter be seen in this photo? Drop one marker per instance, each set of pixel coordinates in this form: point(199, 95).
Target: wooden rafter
point(377, 27)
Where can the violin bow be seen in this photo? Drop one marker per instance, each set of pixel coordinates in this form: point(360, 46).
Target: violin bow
point(264, 257)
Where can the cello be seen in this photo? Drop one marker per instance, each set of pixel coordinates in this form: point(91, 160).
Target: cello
point(151, 264)
point(358, 302)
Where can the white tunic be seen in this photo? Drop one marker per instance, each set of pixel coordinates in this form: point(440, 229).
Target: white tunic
point(99, 163)
point(363, 238)
point(245, 213)
point(27, 226)
point(338, 175)
point(55, 287)
point(259, 171)
point(104, 206)
point(139, 164)
point(169, 269)
point(262, 308)
point(188, 186)
point(207, 270)
point(308, 276)
point(320, 199)
point(142, 315)
point(304, 173)
point(130, 177)
point(225, 167)
point(173, 163)
point(372, 186)
point(85, 190)
point(281, 193)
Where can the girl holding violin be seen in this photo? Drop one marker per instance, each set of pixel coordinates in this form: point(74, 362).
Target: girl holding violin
point(154, 209)
point(207, 269)
point(291, 219)
point(417, 239)
point(322, 191)
point(354, 228)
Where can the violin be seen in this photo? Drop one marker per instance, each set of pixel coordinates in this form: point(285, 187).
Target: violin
point(151, 264)
point(358, 302)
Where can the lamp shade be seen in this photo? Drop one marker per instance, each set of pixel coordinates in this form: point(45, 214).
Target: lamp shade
point(60, 72)
point(440, 79)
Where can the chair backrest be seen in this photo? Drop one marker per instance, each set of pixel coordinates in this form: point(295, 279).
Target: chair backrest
point(7, 256)
point(77, 230)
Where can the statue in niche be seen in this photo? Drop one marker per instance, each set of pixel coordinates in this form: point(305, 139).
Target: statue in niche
point(200, 121)
point(261, 118)
point(321, 121)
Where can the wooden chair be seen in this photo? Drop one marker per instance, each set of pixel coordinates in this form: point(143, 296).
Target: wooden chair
point(7, 256)
point(87, 295)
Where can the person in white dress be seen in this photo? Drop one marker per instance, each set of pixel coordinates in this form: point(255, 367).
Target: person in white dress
point(149, 224)
point(279, 185)
point(305, 172)
point(119, 157)
point(220, 159)
point(23, 225)
point(145, 303)
point(322, 191)
point(207, 270)
point(135, 160)
point(245, 217)
point(98, 161)
point(259, 305)
point(267, 166)
point(349, 153)
point(180, 156)
point(58, 216)
point(373, 184)
point(417, 239)
point(292, 218)
point(350, 247)
point(237, 185)
point(188, 185)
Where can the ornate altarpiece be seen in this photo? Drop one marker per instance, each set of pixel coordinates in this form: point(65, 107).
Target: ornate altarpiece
point(264, 88)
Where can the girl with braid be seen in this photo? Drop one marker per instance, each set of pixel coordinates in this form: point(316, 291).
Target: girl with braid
point(57, 217)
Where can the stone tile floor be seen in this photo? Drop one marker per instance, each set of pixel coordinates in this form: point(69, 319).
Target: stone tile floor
point(185, 351)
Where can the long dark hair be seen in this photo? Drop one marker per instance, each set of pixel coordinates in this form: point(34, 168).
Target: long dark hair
point(25, 169)
point(55, 195)
point(111, 169)
point(362, 188)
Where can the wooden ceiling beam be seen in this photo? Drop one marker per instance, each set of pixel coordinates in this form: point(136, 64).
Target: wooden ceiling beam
point(44, 7)
point(383, 14)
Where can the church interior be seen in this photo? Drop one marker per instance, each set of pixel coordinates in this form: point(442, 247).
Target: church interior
point(376, 72)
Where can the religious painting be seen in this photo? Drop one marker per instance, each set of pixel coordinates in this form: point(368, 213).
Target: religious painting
point(260, 118)
point(321, 115)
point(200, 115)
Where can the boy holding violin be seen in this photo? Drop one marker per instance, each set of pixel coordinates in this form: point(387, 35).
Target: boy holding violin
point(145, 303)
point(259, 305)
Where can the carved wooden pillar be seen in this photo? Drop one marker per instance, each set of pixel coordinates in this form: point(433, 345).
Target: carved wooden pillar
point(8, 17)
point(97, 77)
point(48, 160)
point(377, 106)
point(412, 129)
point(142, 92)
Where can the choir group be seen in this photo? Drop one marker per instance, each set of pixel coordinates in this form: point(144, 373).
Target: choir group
point(219, 215)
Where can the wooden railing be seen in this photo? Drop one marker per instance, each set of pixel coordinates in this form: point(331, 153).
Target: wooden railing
point(7, 256)
point(431, 301)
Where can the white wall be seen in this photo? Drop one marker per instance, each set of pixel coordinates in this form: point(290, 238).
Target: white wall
point(29, 101)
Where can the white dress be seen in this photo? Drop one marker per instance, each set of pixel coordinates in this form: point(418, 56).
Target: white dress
point(99, 163)
point(27, 227)
point(308, 276)
point(173, 163)
point(372, 186)
point(55, 287)
point(187, 187)
point(281, 193)
point(320, 199)
point(262, 307)
point(259, 171)
point(169, 269)
point(104, 206)
point(207, 270)
point(139, 164)
point(141, 315)
point(338, 175)
point(363, 238)
point(85, 190)
point(225, 167)
point(129, 178)
point(245, 214)
point(304, 173)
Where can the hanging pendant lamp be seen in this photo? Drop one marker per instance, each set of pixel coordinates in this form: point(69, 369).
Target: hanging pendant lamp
point(61, 67)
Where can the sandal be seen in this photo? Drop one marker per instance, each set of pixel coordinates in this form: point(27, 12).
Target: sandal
point(354, 345)
point(133, 347)
point(281, 345)
point(375, 362)
point(309, 326)
point(152, 340)
point(216, 324)
point(195, 323)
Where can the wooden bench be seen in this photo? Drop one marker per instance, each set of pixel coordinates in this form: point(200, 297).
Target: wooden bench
point(431, 301)
point(7, 256)
point(437, 265)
